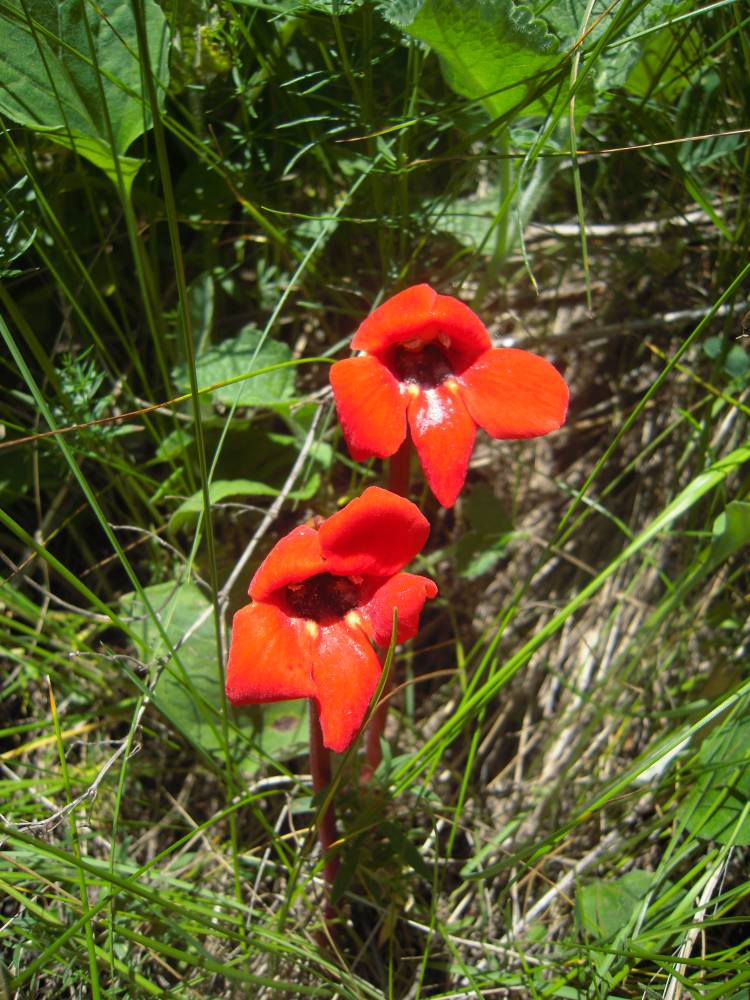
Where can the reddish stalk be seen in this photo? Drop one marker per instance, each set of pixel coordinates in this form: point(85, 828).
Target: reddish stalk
point(373, 750)
point(398, 469)
point(320, 768)
point(397, 482)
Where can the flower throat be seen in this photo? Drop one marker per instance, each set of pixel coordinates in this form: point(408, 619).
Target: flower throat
point(425, 366)
point(322, 597)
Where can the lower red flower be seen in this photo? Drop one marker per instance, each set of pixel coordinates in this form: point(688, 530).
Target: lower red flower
point(319, 598)
point(429, 364)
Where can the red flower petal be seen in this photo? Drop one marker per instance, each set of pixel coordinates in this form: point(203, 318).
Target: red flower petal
point(346, 670)
point(405, 592)
point(376, 534)
point(294, 558)
point(370, 405)
point(515, 394)
point(419, 312)
point(269, 658)
point(443, 434)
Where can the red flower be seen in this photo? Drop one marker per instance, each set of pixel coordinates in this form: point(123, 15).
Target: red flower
point(320, 596)
point(427, 359)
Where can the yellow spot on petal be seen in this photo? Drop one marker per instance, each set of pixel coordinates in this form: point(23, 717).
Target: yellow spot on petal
point(444, 339)
point(312, 628)
point(452, 386)
point(414, 344)
point(412, 389)
point(353, 619)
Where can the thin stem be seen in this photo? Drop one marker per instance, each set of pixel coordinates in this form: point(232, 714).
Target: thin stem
point(398, 469)
point(373, 751)
point(320, 768)
point(397, 482)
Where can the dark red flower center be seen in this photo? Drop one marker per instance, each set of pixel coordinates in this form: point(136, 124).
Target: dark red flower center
point(426, 366)
point(322, 597)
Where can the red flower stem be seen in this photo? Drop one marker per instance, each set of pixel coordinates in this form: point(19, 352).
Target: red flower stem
point(398, 469)
point(373, 750)
point(320, 768)
point(398, 482)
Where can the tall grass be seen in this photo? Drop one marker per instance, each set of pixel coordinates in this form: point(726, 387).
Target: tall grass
point(563, 810)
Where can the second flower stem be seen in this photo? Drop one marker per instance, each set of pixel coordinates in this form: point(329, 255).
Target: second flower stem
point(320, 768)
point(398, 469)
point(398, 482)
point(373, 750)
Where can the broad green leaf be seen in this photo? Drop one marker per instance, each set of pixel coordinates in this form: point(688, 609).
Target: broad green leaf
point(718, 808)
point(240, 355)
point(73, 68)
point(619, 33)
point(514, 58)
point(188, 691)
point(222, 489)
point(98, 152)
point(490, 50)
point(604, 907)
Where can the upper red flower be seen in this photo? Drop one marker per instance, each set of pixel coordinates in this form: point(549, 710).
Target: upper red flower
point(428, 359)
point(319, 597)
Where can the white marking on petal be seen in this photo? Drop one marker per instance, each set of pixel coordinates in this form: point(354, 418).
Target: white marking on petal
point(353, 619)
point(434, 413)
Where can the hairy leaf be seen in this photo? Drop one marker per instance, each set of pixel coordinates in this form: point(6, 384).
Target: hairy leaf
point(491, 50)
point(238, 356)
point(73, 68)
point(188, 693)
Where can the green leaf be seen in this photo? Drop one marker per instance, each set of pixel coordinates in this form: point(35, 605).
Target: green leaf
point(490, 50)
point(513, 58)
point(485, 513)
point(737, 363)
point(73, 68)
point(222, 489)
point(622, 37)
point(718, 808)
point(201, 295)
point(662, 68)
point(731, 532)
point(98, 152)
point(238, 356)
point(188, 692)
point(700, 107)
point(490, 528)
point(15, 240)
point(174, 445)
point(713, 346)
point(604, 907)
point(470, 220)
